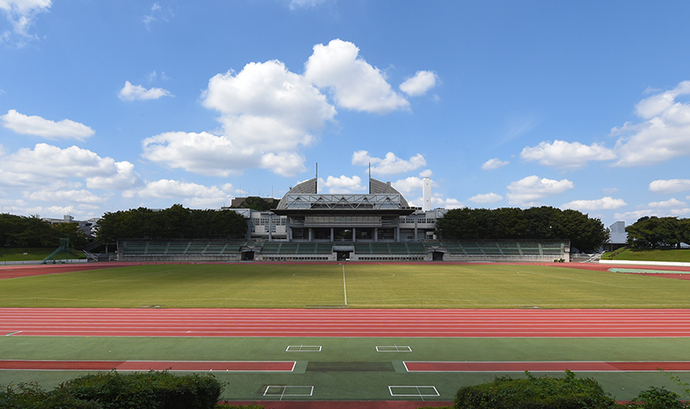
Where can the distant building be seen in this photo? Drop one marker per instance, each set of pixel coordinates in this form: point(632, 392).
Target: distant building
point(619, 237)
point(89, 227)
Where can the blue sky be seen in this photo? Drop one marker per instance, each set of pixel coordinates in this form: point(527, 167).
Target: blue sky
point(108, 106)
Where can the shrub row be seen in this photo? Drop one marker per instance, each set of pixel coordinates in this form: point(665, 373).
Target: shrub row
point(113, 390)
point(567, 392)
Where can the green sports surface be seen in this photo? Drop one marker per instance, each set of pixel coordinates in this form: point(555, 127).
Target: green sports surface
point(349, 368)
point(353, 285)
point(369, 372)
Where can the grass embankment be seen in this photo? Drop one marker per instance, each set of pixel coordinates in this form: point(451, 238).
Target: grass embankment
point(355, 285)
point(677, 255)
point(24, 254)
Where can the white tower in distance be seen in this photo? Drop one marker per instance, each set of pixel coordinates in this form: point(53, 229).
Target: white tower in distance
point(426, 194)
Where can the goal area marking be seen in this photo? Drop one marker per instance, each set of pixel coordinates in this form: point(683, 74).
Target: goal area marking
point(393, 348)
point(413, 391)
point(303, 348)
point(281, 391)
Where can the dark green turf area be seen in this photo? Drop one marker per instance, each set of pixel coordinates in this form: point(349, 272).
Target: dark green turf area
point(358, 285)
point(351, 368)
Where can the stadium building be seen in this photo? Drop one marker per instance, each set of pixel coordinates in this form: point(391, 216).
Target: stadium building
point(377, 226)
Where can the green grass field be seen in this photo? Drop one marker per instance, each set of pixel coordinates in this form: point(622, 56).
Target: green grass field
point(357, 285)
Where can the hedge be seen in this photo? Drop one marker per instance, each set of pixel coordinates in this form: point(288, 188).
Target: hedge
point(535, 393)
point(147, 390)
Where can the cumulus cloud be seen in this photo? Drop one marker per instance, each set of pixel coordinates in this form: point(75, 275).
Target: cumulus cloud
point(355, 84)
point(494, 163)
point(136, 92)
point(669, 186)
point(418, 85)
point(35, 125)
point(671, 203)
point(191, 194)
point(441, 202)
point(486, 198)
point(45, 163)
point(663, 133)
point(21, 15)
point(124, 178)
point(390, 165)
point(75, 196)
point(566, 155)
point(531, 190)
point(410, 184)
point(633, 216)
point(343, 184)
point(606, 203)
point(269, 113)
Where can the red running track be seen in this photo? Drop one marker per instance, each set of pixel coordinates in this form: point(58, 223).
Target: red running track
point(234, 366)
point(114, 322)
point(544, 366)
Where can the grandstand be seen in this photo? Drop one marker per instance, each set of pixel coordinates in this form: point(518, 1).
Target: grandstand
point(309, 226)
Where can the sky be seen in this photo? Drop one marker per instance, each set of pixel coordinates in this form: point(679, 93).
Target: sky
point(108, 106)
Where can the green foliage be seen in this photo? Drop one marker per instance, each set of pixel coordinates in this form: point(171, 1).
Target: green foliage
point(533, 392)
point(31, 396)
point(656, 232)
point(147, 390)
point(537, 223)
point(21, 231)
point(258, 203)
point(176, 222)
point(657, 398)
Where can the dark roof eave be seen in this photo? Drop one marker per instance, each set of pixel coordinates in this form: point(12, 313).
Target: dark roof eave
point(307, 212)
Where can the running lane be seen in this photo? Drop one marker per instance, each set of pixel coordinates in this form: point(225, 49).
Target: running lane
point(343, 323)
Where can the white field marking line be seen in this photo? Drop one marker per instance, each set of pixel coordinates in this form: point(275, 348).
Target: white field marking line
point(393, 348)
point(344, 285)
point(12, 333)
point(303, 348)
point(416, 388)
point(284, 389)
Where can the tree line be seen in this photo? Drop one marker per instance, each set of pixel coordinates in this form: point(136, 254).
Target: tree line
point(176, 222)
point(32, 231)
point(537, 223)
point(658, 232)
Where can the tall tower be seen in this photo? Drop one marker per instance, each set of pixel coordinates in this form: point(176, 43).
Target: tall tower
point(426, 194)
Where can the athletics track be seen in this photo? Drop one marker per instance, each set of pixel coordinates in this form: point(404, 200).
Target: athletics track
point(114, 322)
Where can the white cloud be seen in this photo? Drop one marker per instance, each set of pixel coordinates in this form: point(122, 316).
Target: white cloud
point(410, 184)
point(389, 165)
point(606, 203)
point(22, 13)
point(75, 196)
point(294, 4)
point(343, 184)
point(671, 203)
point(440, 202)
point(494, 163)
point(136, 92)
point(355, 83)
point(35, 125)
point(269, 113)
point(633, 216)
point(124, 178)
point(531, 190)
point(663, 134)
point(157, 13)
point(669, 186)
point(45, 164)
point(191, 194)
point(418, 85)
point(486, 198)
point(283, 163)
point(566, 155)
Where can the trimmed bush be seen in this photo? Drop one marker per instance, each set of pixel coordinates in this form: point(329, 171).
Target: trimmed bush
point(657, 398)
point(31, 396)
point(535, 393)
point(147, 390)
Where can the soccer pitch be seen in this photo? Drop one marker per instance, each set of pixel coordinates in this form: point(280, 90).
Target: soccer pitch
point(350, 285)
